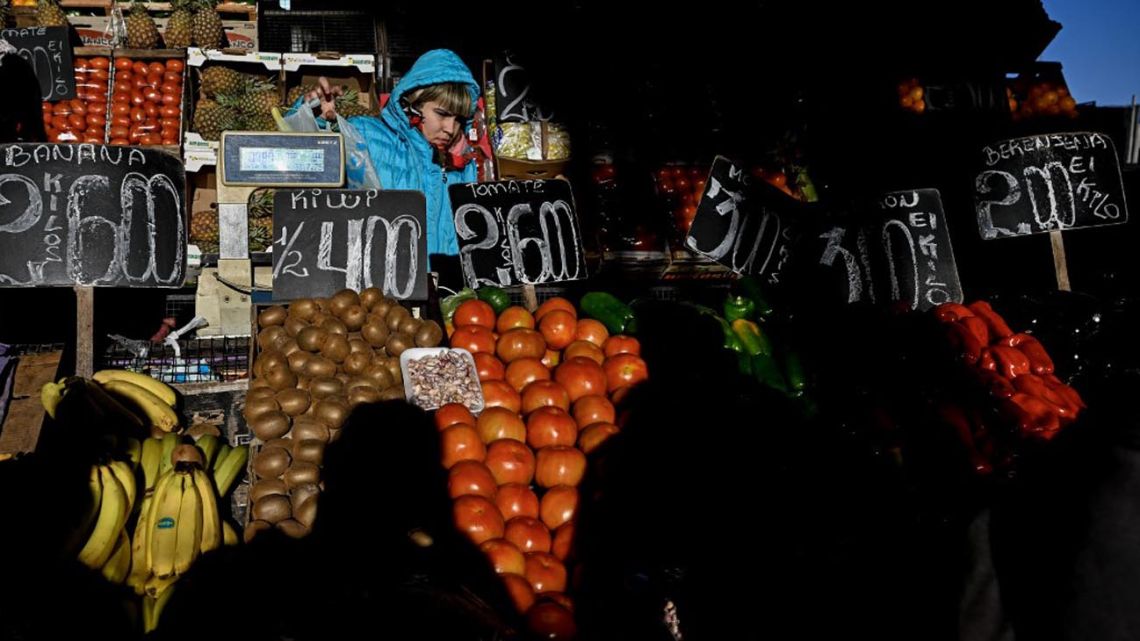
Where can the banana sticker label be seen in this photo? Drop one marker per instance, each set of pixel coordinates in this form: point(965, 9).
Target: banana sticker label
point(165, 523)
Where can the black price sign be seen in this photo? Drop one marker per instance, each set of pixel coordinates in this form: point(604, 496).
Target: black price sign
point(92, 215)
point(899, 251)
point(331, 239)
point(1046, 183)
point(517, 232)
point(743, 225)
point(48, 51)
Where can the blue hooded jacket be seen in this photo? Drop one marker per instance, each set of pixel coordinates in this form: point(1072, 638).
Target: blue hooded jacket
point(404, 159)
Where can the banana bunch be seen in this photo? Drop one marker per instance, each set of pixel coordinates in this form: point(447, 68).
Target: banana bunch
point(118, 397)
point(113, 493)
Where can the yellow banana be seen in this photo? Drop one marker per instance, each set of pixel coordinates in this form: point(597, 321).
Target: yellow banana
point(223, 452)
point(151, 457)
point(117, 567)
point(229, 534)
point(50, 396)
point(154, 386)
point(140, 571)
point(126, 477)
point(83, 528)
point(208, 443)
point(155, 586)
point(112, 516)
point(134, 451)
point(188, 539)
point(142, 400)
point(148, 613)
point(211, 520)
point(159, 603)
point(229, 469)
point(163, 524)
point(112, 409)
point(169, 442)
point(279, 120)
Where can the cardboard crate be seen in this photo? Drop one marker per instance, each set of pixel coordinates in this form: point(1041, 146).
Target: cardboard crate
point(353, 71)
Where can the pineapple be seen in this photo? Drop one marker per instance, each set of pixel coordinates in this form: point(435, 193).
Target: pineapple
point(178, 29)
point(348, 105)
point(211, 119)
point(297, 92)
point(222, 81)
point(48, 14)
point(207, 31)
point(142, 33)
point(3, 13)
point(204, 230)
point(260, 233)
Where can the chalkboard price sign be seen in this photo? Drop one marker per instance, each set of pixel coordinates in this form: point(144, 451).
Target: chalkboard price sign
point(48, 51)
point(517, 232)
point(514, 96)
point(742, 225)
point(330, 239)
point(898, 251)
point(91, 215)
point(1046, 183)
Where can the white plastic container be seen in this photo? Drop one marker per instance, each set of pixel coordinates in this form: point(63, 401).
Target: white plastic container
point(416, 353)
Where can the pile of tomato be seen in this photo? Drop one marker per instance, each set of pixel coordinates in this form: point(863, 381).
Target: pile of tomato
point(681, 188)
point(550, 384)
point(146, 102)
point(84, 118)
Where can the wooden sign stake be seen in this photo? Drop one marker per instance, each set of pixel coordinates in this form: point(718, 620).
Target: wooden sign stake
point(530, 298)
point(84, 331)
point(1060, 264)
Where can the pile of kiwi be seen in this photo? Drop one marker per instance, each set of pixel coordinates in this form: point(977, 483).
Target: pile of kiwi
point(317, 359)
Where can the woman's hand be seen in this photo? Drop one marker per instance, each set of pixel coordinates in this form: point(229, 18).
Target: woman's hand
point(326, 95)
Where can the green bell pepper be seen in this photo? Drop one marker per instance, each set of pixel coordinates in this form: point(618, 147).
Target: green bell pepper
point(765, 369)
point(448, 305)
point(730, 339)
point(751, 289)
point(794, 372)
point(736, 307)
point(496, 297)
point(605, 307)
point(751, 337)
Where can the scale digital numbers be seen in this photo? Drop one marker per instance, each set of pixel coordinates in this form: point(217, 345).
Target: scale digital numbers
point(282, 159)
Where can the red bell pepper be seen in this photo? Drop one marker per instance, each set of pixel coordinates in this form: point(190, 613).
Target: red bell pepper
point(1011, 361)
point(986, 361)
point(955, 418)
point(999, 386)
point(1034, 416)
point(950, 312)
point(1039, 360)
point(1035, 386)
point(977, 327)
point(998, 327)
point(968, 346)
point(1066, 391)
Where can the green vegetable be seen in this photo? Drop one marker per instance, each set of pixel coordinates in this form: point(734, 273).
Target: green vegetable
point(448, 305)
point(751, 337)
point(730, 339)
point(751, 289)
point(794, 372)
point(614, 314)
point(496, 297)
point(744, 363)
point(765, 369)
point(739, 307)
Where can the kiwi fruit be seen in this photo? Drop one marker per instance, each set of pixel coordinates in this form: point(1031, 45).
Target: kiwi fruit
point(272, 316)
point(283, 442)
point(306, 511)
point(410, 326)
point(358, 381)
point(294, 325)
point(310, 429)
point(393, 393)
point(303, 308)
point(281, 378)
point(267, 487)
point(253, 528)
point(375, 333)
point(271, 462)
point(300, 473)
point(267, 360)
point(357, 345)
point(272, 509)
point(343, 378)
point(322, 305)
point(370, 296)
point(302, 493)
point(360, 395)
point(381, 307)
point(320, 367)
point(429, 334)
point(298, 360)
point(342, 300)
point(309, 451)
point(356, 363)
point(325, 386)
point(293, 529)
point(335, 348)
point(311, 339)
point(396, 316)
point(259, 391)
point(270, 425)
point(335, 325)
point(271, 337)
point(398, 342)
point(319, 319)
point(290, 347)
point(259, 383)
point(354, 317)
point(393, 365)
point(332, 411)
point(294, 402)
point(257, 406)
point(381, 377)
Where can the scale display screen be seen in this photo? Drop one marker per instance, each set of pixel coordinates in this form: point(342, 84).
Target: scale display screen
point(276, 159)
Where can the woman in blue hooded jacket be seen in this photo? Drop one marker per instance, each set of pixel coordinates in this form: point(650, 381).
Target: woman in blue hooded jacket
point(408, 143)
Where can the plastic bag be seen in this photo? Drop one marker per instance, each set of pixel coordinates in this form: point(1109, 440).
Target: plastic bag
point(358, 169)
point(301, 119)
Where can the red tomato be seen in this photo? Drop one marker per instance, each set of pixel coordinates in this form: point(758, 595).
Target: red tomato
point(174, 64)
point(139, 68)
point(122, 64)
point(150, 139)
point(123, 86)
point(170, 99)
point(120, 141)
point(138, 98)
point(120, 132)
point(122, 120)
point(100, 74)
point(77, 122)
point(171, 76)
point(170, 122)
point(151, 110)
point(138, 115)
point(152, 95)
point(156, 67)
point(168, 111)
point(81, 65)
point(154, 79)
point(99, 63)
point(78, 107)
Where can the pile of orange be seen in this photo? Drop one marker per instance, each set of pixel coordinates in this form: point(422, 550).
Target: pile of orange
point(550, 384)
